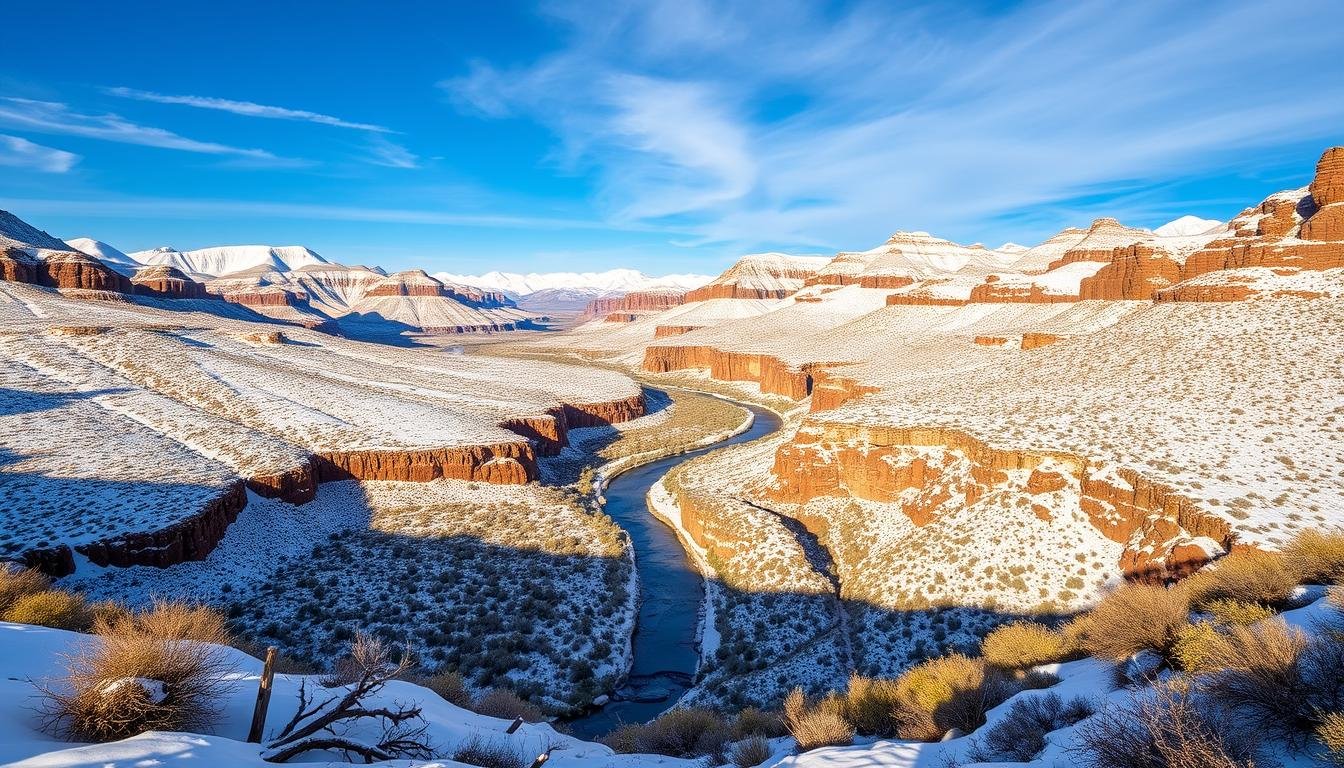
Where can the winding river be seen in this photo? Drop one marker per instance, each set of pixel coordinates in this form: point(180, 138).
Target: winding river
point(665, 653)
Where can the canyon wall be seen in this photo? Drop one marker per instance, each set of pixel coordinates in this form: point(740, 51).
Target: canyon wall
point(879, 463)
point(773, 375)
point(634, 302)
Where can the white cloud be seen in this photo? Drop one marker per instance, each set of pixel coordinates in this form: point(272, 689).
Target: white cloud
point(247, 108)
point(56, 118)
point(385, 153)
point(796, 124)
point(21, 153)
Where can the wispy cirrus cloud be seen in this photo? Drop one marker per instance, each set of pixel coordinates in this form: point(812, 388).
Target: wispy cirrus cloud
point(212, 208)
point(385, 153)
point(57, 118)
point(16, 152)
point(246, 108)
point(801, 124)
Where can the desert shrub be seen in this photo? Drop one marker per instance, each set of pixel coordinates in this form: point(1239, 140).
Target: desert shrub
point(16, 582)
point(689, 732)
point(815, 728)
point(1193, 643)
point(1024, 644)
point(1315, 557)
point(755, 722)
point(1169, 729)
point(50, 608)
point(1331, 734)
point(945, 693)
point(133, 681)
point(1246, 577)
point(170, 620)
point(1237, 612)
point(450, 687)
point(503, 703)
point(870, 705)
point(751, 752)
point(1255, 672)
point(1020, 735)
point(488, 754)
point(1133, 618)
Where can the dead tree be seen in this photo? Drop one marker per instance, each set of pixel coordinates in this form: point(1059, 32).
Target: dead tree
point(331, 724)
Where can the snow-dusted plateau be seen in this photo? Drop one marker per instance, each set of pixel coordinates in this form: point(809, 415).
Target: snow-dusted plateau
point(1058, 504)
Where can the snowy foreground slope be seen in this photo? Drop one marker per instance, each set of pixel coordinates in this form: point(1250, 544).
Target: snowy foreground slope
point(30, 655)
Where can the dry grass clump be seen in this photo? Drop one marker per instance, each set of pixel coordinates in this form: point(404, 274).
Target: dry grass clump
point(1275, 678)
point(169, 620)
point(488, 754)
point(50, 608)
point(870, 705)
point(450, 687)
point(143, 674)
point(815, 728)
point(1227, 611)
point(751, 752)
point(945, 693)
point(503, 703)
point(755, 722)
point(17, 582)
point(1331, 734)
point(1191, 653)
point(1315, 557)
point(1133, 618)
point(1244, 577)
point(1020, 735)
point(689, 732)
point(1025, 644)
point(1170, 729)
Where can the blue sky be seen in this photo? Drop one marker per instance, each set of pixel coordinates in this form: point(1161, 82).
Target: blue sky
point(666, 136)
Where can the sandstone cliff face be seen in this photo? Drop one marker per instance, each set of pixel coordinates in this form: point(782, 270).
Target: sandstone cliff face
point(771, 373)
point(664, 331)
point(1134, 273)
point(634, 302)
point(65, 270)
point(994, 292)
point(621, 317)
point(266, 296)
point(894, 465)
point(191, 539)
point(167, 282)
point(1327, 188)
point(504, 463)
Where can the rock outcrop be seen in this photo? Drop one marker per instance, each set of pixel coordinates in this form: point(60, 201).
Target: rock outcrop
point(760, 276)
point(503, 463)
point(635, 302)
point(891, 465)
point(167, 282)
point(773, 375)
point(663, 331)
point(190, 539)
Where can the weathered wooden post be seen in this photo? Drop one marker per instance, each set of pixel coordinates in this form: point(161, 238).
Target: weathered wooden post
point(541, 759)
point(515, 725)
point(263, 697)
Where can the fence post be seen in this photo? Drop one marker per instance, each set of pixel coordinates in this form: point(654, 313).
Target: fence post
point(263, 697)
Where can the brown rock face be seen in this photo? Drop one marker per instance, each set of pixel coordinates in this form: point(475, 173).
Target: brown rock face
point(1327, 188)
point(991, 341)
point(635, 301)
point(17, 266)
point(1034, 340)
point(297, 485)
point(1327, 223)
point(664, 331)
point(167, 282)
point(190, 539)
point(880, 463)
point(621, 317)
point(831, 391)
point(550, 432)
point(271, 296)
point(1134, 273)
point(994, 292)
point(885, 281)
point(772, 374)
point(504, 463)
point(65, 270)
point(734, 291)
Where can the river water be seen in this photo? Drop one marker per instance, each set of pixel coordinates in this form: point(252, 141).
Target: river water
point(671, 589)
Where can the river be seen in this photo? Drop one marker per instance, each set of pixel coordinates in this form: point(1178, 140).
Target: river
point(671, 589)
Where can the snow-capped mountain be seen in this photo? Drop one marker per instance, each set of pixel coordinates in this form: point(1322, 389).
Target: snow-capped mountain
point(106, 254)
point(1186, 226)
point(222, 260)
point(590, 283)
